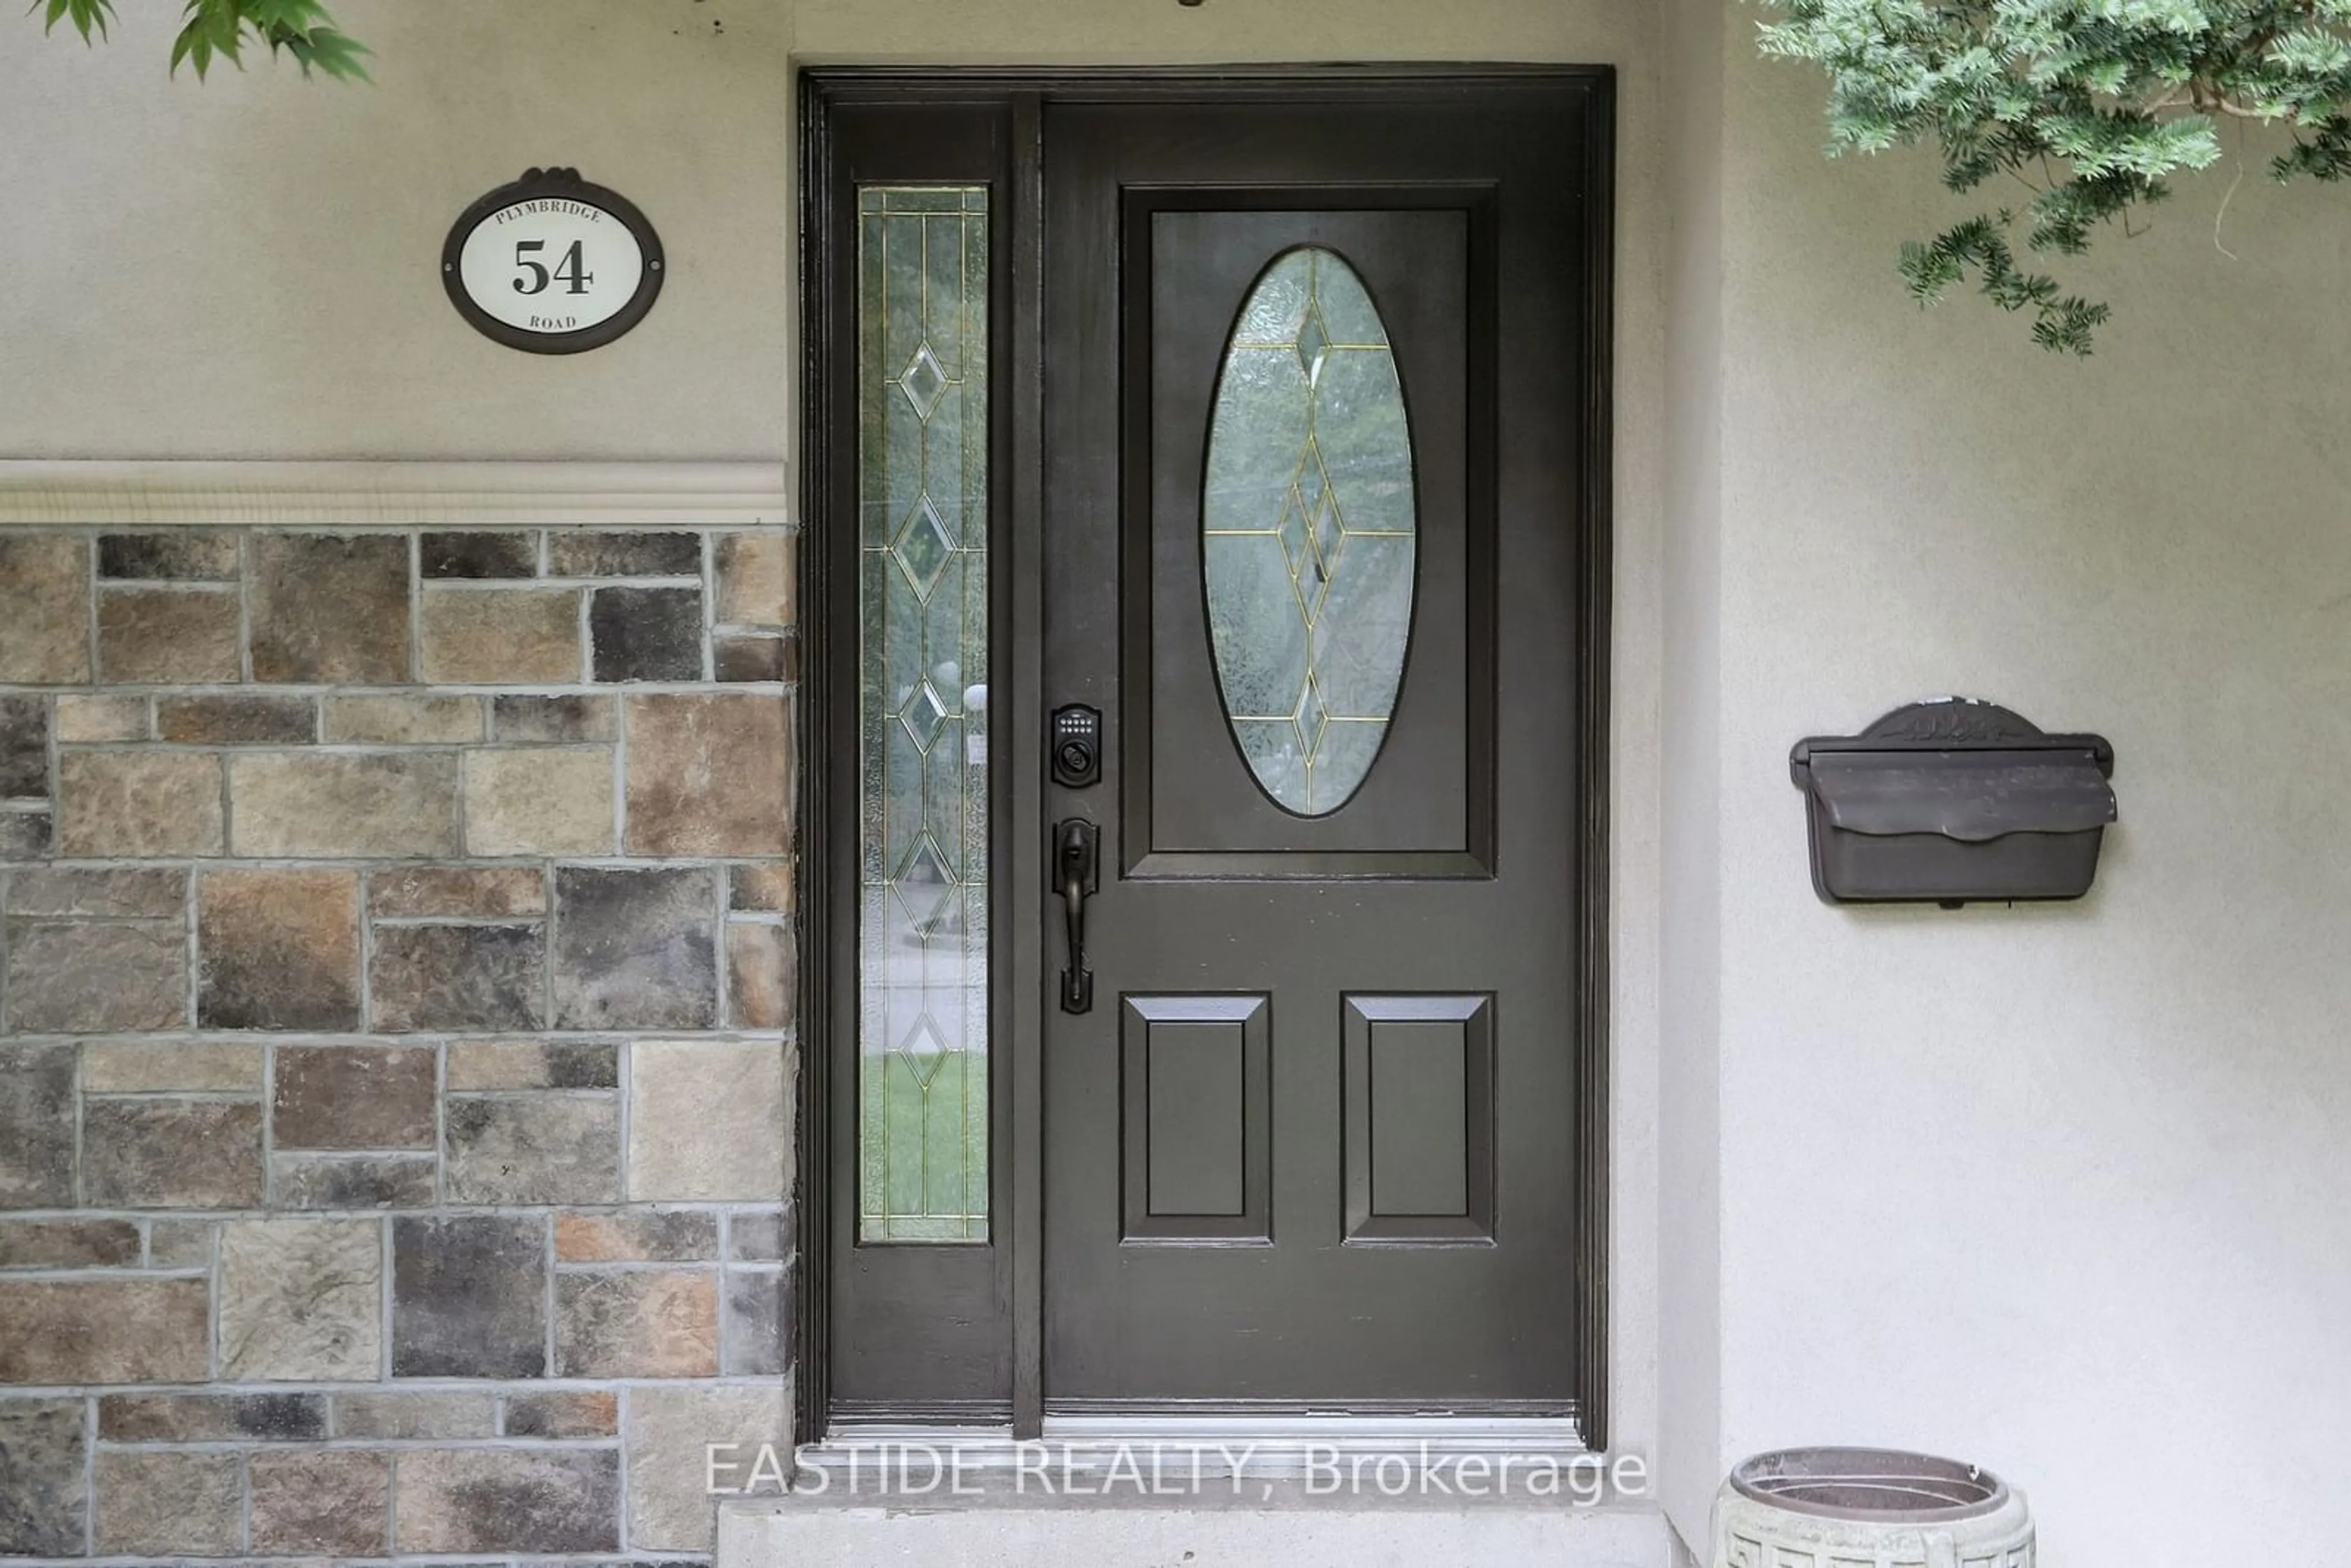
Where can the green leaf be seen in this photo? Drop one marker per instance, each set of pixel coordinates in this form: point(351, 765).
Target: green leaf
point(87, 16)
point(328, 52)
point(212, 29)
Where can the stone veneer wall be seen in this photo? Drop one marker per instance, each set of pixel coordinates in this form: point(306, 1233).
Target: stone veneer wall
point(395, 990)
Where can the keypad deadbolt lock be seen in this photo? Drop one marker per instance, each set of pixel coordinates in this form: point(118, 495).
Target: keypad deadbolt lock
point(1076, 743)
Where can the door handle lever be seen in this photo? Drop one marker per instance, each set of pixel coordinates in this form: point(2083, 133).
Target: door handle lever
point(1077, 845)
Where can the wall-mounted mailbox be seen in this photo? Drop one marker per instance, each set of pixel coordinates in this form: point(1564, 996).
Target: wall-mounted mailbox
point(1952, 801)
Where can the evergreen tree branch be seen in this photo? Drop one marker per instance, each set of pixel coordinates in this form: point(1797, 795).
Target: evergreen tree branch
point(2104, 100)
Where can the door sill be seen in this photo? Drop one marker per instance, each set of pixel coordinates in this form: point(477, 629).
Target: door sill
point(1284, 1444)
point(1305, 1435)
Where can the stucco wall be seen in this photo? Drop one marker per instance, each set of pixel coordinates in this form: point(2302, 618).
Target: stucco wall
point(248, 269)
point(1689, 878)
point(2059, 1189)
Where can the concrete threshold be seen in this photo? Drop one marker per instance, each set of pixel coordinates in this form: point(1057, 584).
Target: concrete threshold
point(1355, 1536)
point(1276, 1522)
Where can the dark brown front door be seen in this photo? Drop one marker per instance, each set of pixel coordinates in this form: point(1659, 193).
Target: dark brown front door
point(1263, 417)
point(1313, 536)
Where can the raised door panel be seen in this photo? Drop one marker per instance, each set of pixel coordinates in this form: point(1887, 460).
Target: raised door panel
point(1195, 1119)
point(1419, 1113)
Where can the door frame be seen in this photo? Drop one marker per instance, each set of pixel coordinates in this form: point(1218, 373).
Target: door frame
point(827, 606)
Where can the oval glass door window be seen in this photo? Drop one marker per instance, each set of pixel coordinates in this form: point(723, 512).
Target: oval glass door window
point(1309, 522)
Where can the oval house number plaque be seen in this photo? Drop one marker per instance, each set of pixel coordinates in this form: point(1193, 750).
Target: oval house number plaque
point(552, 264)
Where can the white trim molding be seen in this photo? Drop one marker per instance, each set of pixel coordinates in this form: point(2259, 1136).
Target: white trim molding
point(163, 494)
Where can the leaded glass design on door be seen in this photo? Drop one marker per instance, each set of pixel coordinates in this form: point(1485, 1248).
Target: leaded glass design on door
point(1310, 531)
point(923, 809)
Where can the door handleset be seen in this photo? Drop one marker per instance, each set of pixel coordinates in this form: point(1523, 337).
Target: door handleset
point(1076, 857)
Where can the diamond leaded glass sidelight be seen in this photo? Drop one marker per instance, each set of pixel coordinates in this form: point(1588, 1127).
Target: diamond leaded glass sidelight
point(1309, 531)
point(922, 379)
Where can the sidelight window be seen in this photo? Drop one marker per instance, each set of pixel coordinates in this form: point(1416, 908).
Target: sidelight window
point(923, 809)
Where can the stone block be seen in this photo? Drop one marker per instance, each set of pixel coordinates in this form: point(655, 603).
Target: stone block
point(668, 1432)
point(501, 636)
point(83, 719)
point(459, 1500)
point(240, 720)
point(168, 636)
point(43, 1478)
point(395, 720)
point(138, 805)
point(68, 1244)
point(301, 1301)
point(415, 1417)
point(77, 892)
point(337, 805)
point(532, 1064)
point(635, 949)
point(24, 747)
point(337, 1503)
point(460, 892)
point(181, 555)
point(469, 1299)
point(758, 1322)
point(566, 1415)
point(169, 1066)
point(87, 978)
point(538, 801)
point(36, 1126)
point(27, 836)
point(553, 721)
point(212, 1417)
point(761, 1236)
point(760, 969)
point(278, 951)
point(636, 1236)
point(479, 555)
point(312, 1182)
point(708, 775)
point(458, 977)
point(55, 1332)
point(764, 889)
point(171, 1153)
point(636, 1324)
point(45, 583)
point(378, 1097)
point(154, 1503)
point(646, 633)
point(754, 578)
point(707, 1122)
point(744, 658)
point(330, 610)
point(534, 1149)
point(180, 1243)
point(572, 553)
